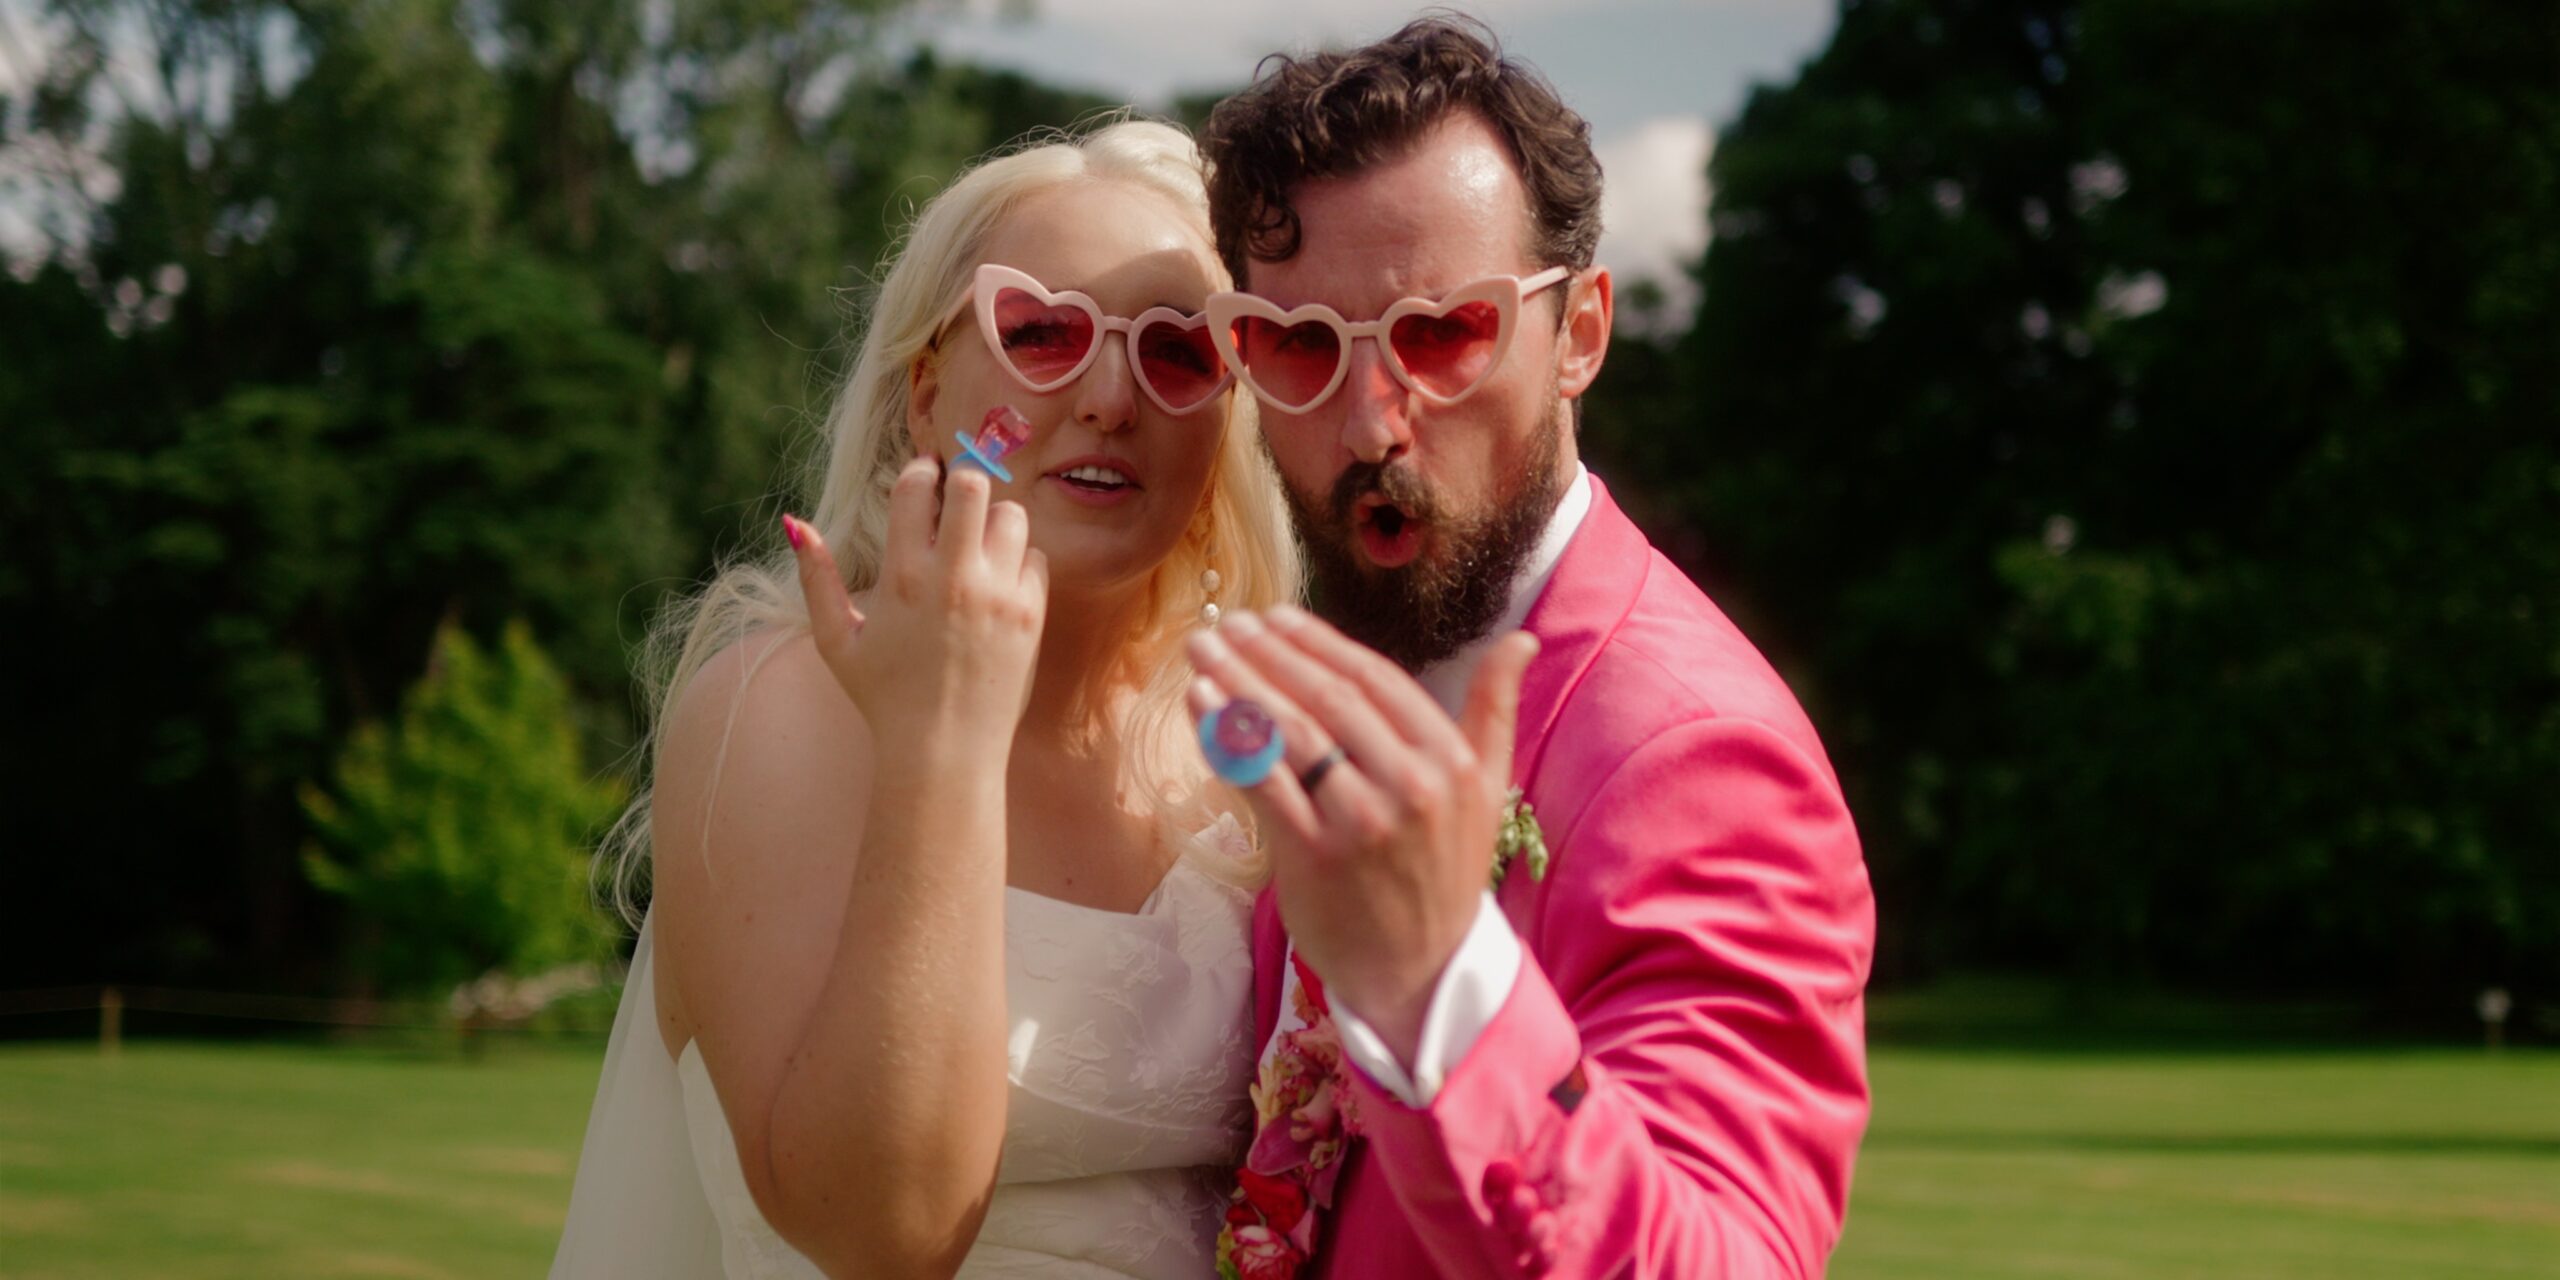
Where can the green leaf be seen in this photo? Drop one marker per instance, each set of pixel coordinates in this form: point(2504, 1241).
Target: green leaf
point(1519, 836)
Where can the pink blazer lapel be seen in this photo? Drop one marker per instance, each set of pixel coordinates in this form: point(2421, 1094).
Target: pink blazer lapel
point(1594, 585)
point(1270, 961)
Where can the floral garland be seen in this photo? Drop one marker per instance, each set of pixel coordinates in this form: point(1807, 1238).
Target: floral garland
point(1303, 1118)
point(1303, 1125)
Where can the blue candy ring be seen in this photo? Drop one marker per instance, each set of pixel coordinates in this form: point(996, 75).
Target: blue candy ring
point(1241, 741)
point(969, 453)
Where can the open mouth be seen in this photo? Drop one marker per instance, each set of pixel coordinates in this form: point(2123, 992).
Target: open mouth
point(1096, 480)
point(1389, 534)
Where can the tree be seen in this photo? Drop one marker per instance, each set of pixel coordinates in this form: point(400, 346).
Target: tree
point(351, 320)
point(459, 834)
point(2128, 422)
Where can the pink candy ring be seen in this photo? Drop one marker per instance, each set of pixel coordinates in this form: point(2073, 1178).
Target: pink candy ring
point(1002, 431)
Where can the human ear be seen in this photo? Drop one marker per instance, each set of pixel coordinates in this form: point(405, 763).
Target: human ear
point(1584, 343)
point(924, 384)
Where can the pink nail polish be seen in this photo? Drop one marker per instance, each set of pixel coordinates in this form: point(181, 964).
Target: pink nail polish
point(791, 530)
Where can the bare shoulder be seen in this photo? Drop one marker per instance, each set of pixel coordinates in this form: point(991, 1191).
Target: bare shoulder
point(762, 784)
point(763, 713)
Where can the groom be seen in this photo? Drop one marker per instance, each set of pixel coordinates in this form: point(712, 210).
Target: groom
point(1641, 1053)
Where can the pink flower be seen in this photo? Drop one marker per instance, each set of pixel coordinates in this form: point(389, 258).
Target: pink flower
point(1287, 1081)
point(1328, 1106)
point(1263, 1254)
point(1314, 1118)
point(1303, 1123)
point(1318, 1042)
point(1346, 1101)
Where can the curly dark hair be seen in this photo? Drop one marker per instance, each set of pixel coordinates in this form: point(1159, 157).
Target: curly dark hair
point(1338, 112)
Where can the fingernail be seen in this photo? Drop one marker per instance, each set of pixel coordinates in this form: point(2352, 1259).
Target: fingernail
point(1286, 617)
point(1207, 647)
point(1243, 624)
point(791, 530)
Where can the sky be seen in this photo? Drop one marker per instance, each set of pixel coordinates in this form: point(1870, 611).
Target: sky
point(1654, 77)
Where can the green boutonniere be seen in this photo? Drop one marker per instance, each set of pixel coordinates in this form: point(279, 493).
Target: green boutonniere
point(1519, 835)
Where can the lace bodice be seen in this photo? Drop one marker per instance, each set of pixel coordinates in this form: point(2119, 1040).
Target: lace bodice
point(1128, 1055)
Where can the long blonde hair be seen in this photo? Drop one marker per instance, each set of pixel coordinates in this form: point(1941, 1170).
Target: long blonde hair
point(1242, 532)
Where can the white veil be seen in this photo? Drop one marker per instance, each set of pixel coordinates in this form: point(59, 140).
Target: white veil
point(638, 1210)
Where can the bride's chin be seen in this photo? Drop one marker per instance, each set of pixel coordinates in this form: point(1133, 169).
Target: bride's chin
point(1103, 559)
point(1086, 578)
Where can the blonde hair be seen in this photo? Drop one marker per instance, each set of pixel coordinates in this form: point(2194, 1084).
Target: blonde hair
point(1242, 532)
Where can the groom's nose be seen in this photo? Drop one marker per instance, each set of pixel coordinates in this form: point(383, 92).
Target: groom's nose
point(1377, 411)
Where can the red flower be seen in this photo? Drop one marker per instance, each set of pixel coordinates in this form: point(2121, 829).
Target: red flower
point(1302, 1125)
point(1280, 1201)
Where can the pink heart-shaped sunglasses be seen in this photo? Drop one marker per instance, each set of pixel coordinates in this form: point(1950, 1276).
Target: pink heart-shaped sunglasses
point(1047, 340)
point(1442, 349)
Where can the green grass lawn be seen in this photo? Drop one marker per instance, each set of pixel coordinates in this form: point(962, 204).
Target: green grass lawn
point(2331, 1164)
point(279, 1161)
point(283, 1161)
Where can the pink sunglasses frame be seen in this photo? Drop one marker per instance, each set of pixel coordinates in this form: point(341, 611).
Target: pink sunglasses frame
point(1506, 293)
point(991, 280)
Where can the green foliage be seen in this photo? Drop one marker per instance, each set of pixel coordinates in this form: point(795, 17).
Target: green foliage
point(2129, 422)
point(353, 319)
point(458, 834)
point(1519, 837)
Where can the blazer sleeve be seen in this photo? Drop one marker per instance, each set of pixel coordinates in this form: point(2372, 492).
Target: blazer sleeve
point(1676, 1085)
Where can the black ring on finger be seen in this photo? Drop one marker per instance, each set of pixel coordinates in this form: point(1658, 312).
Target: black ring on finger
point(1314, 773)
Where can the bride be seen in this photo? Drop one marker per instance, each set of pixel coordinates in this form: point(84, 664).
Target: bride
point(946, 968)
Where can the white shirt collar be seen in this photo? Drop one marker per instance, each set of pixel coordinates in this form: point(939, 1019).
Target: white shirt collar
point(1447, 679)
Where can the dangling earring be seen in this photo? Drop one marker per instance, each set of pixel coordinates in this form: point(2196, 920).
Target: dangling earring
point(1209, 581)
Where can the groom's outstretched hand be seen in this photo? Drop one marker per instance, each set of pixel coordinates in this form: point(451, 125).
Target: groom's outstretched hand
point(1381, 858)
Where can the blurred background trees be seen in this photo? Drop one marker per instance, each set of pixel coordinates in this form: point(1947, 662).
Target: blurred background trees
point(361, 317)
point(2128, 423)
point(459, 834)
point(2131, 423)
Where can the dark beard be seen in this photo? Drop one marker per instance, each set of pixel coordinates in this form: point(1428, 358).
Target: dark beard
point(1421, 612)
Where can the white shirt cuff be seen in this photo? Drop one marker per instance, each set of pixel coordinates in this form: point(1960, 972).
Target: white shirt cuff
point(1470, 992)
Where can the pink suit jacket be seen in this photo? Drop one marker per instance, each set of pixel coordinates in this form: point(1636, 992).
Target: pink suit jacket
point(1677, 1084)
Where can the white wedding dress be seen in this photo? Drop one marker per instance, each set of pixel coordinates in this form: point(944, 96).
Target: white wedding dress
point(1128, 1055)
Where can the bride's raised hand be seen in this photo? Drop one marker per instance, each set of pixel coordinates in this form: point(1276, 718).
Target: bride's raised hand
point(954, 621)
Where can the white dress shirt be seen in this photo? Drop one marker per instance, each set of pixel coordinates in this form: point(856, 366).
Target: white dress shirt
point(1479, 976)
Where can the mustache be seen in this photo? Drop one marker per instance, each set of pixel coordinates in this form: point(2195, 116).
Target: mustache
point(1398, 485)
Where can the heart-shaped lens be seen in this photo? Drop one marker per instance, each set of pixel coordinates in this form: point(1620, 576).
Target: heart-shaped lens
point(1448, 354)
point(1181, 364)
point(1291, 363)
point(1043, 341)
